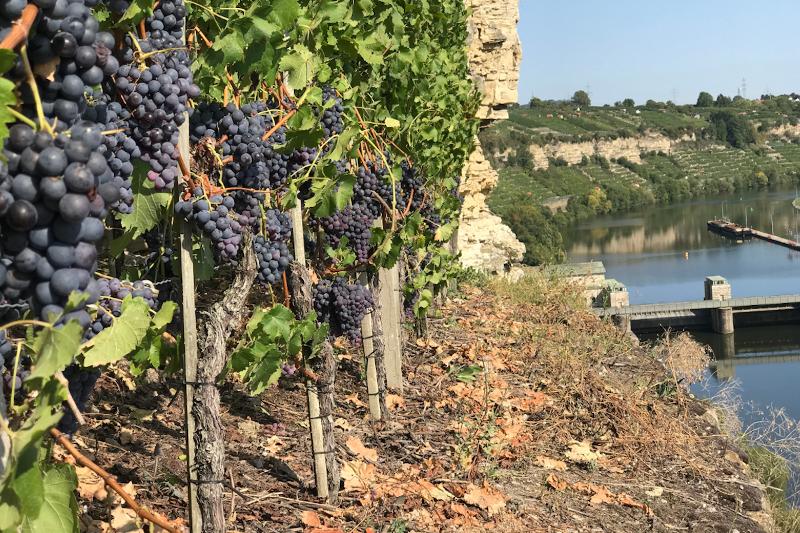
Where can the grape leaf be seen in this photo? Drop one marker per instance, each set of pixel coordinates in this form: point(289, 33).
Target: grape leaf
point(285, 12)
point(7, 60)
point(54, 349)
point(300, 65)
point(125, 334)
point(148, 204)
point(7, 101)
point(59, 511)
point(138, 10)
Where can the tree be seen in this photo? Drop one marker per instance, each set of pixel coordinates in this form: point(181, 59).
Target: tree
point(535, 102)
point(722, 101)
point(628, 102)
point(581, 98)
point(732, 129)
point(705, 99)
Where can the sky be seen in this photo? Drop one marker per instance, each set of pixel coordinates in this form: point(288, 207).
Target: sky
point(658, 49)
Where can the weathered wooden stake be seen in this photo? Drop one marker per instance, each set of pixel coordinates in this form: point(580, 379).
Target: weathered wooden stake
point(391, 315)
point(323, 447)
point(189, 348)
point(370, 356)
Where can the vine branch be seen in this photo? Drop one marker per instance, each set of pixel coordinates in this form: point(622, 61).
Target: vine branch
point(21, 28)
point(109, 480)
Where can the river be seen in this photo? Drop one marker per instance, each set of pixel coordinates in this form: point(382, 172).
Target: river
point(663, 254)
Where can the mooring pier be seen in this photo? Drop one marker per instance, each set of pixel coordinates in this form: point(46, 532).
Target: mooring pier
point(734, 231)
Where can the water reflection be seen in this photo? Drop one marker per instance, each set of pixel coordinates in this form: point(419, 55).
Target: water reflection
point(663, 253)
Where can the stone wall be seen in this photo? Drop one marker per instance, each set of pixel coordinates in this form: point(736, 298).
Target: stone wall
point(630, 148)
point(495, 54)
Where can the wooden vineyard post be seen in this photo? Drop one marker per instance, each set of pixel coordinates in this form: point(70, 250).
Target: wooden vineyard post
point(189, 346)
point(320, 421)
point(373, 349)
point(391, 318)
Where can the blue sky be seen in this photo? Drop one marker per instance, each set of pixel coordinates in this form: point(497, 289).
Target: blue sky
point(664, 50)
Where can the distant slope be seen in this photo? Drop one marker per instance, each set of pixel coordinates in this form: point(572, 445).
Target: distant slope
point(553, 172)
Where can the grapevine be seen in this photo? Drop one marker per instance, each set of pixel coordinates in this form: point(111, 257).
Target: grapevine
point(98, 195)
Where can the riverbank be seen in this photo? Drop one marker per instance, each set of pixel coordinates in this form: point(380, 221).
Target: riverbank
point(521, 412)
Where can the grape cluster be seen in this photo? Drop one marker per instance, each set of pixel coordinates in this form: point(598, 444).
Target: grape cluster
point(354, 222)
point(81, 384)
point(372, 186)
point(342, 305)
point(52, 205)
point(332, 120)
point(119, 149)
point(112, 293)
point(272, 252)
point(412, 188)
point(155, 84)
point(214, 216)
point(8, 356)
point(237, 136)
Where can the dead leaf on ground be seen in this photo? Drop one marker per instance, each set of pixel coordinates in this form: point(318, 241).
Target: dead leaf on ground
point(550, 464)
point(124, 520)
point(557, 483)
point(357, 475)
point(395, 402)
point(355, 400)
point(655, 492)
point(311, 519)
point(274, 445)
point(357, 447)
point(342, 424)
point(581, 453)
point(90, 485)
point(491, 500)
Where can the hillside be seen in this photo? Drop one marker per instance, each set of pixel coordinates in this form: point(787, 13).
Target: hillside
point(521, 411)
point(559, 163)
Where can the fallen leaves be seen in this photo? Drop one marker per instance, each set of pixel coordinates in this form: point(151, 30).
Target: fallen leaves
point(357, 448)
point(357, 476)
point(550, 464)
point(488, 499)
point(582, 453)
point(598, 494)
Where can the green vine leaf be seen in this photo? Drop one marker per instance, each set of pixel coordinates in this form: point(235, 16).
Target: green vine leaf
point(149, 204)
point(59, 508)
point(125, 334)
point(54, 349)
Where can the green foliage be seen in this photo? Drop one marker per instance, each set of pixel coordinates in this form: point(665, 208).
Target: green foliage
point(581, 98)
point(629, 103)
point(436, 268)
point(732, 128)
point(273, 337)
point(150, 205)
point(704, 99)
point(123, 337)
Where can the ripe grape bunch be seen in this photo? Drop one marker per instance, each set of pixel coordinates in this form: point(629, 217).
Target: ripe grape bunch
point(236, 134)
point(342, 305)
point(155, 84)
point(271, 249)
point(52, 205)
point(112, 293)
point(215, 217)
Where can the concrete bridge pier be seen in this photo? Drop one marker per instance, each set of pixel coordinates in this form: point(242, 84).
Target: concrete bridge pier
point(722, 320)
point(623, 322)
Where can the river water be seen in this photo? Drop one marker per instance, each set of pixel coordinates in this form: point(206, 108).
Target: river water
point(663, 254)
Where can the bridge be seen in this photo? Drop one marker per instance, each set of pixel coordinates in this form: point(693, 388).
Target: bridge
point(717, 312)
